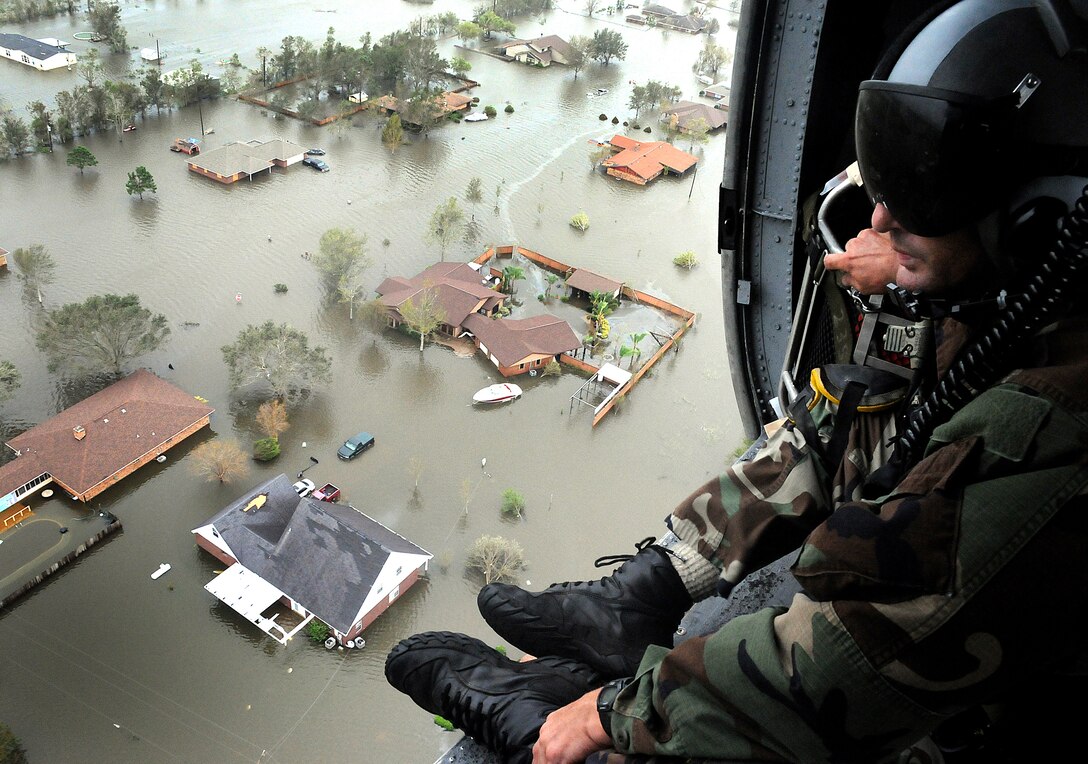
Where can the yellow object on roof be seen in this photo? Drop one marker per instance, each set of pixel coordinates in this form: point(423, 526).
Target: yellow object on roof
point(256, 502)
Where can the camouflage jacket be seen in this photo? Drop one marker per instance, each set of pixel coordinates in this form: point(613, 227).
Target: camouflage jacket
point(952, 591)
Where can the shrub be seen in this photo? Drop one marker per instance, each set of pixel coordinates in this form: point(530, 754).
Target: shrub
point(266, 449)
point(615, 120)
point(385, 242)
point(280, 288)
point(509, 108)
point(444, 723)
point(603, 117)
point(317, 630)
point(552, 369)
point(647, 129)
point(490, 111)
point(580, 221)
point(626, 123)
point(512, 502)
point(686, 260)
point(456, 116)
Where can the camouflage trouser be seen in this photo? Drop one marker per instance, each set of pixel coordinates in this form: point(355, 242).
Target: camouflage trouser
point(763, 507)
point(924, 752)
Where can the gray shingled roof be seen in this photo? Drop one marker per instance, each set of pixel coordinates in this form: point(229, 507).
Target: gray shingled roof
point(324, 556)
point(30, 46)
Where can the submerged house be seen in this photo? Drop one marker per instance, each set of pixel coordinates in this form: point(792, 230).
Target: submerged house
point(444, 105)
point(45, 54)
point(321, 560)
point(522, 345)
point(459, 289)
point(642, 161)
point(686, 112)
point(244, 159)
point(96, 443)
point(543, 51)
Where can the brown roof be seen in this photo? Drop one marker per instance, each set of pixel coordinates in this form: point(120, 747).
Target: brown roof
point(123, 423)
point(458, 287)
point(446, 102)
point(646, 158)
point(687, 111)
point(512, 340)
point(588, 281)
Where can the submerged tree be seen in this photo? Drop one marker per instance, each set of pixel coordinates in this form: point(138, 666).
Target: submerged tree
point(581, 51)
point(423, 313)
point(140, 182)
point(445, 224)
point(711, 58)
point(9, 380)
point(393, 133)
point(496, 558)
point(606, 45)
point(81, 157)
point(34, 267)
point(474, 192)
point(277, 357)
point(272, 418)
point(342, 257)
point(222, 460)
point(580, 221)
point(101, 334)
point(105, 18)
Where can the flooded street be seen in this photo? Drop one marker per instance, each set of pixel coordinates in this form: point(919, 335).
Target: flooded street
point(102, 663)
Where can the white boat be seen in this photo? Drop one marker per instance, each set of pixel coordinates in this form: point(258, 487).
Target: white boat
point(504, 391)
point(162, 569)
point(476, 117)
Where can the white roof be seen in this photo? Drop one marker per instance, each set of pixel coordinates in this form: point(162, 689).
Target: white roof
point(250, 595)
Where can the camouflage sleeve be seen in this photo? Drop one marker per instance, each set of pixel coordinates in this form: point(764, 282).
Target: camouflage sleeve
point(965, 580)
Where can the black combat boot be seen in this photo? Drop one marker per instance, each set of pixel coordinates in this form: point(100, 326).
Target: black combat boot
point(605, 624)
point(498, 702)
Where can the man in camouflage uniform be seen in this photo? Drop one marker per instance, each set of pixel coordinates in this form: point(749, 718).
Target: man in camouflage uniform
point(958, 584)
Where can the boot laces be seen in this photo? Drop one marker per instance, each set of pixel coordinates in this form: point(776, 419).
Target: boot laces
point(612, 559)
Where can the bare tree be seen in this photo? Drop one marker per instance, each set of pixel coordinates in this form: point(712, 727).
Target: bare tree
point(496, 558)
point(222, 460)
point(415, 469)
point(272, 418)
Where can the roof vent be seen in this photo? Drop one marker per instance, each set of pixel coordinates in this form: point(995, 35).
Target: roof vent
point(79, 432)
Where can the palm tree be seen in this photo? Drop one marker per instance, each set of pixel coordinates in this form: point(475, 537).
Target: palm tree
point(510, 274)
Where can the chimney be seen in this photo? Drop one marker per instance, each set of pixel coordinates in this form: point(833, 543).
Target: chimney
point(79, 432)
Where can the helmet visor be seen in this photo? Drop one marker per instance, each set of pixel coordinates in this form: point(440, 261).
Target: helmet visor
point(929, 155)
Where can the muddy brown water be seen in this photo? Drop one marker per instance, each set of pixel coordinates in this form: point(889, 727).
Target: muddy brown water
point(102, 663)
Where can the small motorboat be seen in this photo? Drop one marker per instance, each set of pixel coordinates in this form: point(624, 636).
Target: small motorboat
point(476, 117)
point(504, 391)
point(128, 128)
point(161, 569)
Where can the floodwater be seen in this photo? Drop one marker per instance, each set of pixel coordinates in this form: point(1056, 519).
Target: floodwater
point(102, 663)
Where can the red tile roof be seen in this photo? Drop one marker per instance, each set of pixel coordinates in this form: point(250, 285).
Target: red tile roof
point(646, 159)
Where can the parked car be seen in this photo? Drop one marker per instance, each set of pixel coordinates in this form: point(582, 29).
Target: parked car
point(316, 163)
point(316, 152)
point(304, 487)
point(355, 445)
